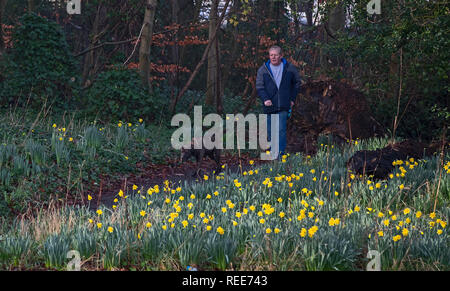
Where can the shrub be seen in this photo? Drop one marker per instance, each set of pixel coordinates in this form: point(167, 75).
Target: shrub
point(39, 66)
point(118, 94)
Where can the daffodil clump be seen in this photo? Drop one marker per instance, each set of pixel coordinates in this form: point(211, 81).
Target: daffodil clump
point(49, 158)
point(302, 214)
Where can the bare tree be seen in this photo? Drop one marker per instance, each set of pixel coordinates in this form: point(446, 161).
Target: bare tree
point(146, 43)
point(2, 43)
point(31, 6)
point(212, 74)
point(203, 59)
point(90, 65)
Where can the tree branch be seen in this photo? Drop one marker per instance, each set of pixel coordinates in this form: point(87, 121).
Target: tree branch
point(128, 40)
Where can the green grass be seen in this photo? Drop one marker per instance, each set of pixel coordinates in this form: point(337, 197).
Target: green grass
point(281, 218)
point(43, 158)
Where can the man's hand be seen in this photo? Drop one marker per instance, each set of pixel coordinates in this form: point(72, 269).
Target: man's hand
point(268, 103)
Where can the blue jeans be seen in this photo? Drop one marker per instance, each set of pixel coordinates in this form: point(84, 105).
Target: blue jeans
point(282, 115)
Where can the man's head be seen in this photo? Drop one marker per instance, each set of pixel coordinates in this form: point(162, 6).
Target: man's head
point(275, 55)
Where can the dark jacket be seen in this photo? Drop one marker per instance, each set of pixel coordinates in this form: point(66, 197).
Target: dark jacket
point(267, 88)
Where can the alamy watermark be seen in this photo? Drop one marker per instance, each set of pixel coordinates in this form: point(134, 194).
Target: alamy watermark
point(374, 7)
point(74, 7)
point(375, 262)
point(75, 262)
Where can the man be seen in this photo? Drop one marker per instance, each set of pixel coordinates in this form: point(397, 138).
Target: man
point(277, 84)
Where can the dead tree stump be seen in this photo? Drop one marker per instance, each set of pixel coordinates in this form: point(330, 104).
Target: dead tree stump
point(329, 107)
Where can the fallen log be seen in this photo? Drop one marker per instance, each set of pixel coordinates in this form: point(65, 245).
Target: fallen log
point(379, 163)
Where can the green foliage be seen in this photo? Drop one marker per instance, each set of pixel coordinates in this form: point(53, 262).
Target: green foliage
point(152, 246)
point(39, 66)
point(118, 247)
point(118, 94)
point(190, 249)
point(44, 158)
point(221, 251)
point(407, 44)
point(54, 250)
point(14, 250)
point(84, 242)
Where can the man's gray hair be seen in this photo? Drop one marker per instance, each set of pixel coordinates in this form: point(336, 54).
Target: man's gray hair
point(275, 47)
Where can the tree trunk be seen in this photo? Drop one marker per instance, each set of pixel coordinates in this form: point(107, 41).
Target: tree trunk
point(335, 24)
point(197, 68)
point(219, 104)
point(211, 83)
point(31, 6)
point(336, 21)
point(146, 44)
point(309, 17)
point(89, 58)
point(393, 75)
point(174, 50)
point(189, 11)
point(2, 43)
point(309, 12)
point(228, 65)
point(175, 20)
point(197, 8)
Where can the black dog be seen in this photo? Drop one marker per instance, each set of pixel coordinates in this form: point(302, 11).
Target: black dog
point(199, 154)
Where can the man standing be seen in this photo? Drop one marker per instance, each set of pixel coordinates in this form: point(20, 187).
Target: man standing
point(277, 84)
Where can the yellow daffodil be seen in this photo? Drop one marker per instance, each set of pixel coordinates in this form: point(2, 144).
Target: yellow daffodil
point(405, 232)
point(303, 232)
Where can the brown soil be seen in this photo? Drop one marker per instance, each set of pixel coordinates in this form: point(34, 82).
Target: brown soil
point(175, 172)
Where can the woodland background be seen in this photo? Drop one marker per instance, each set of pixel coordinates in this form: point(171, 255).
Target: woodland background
point(69, 82)
point(86, 161)
point(91, 62)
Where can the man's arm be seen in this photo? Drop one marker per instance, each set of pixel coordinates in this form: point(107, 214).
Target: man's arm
point(260, 89)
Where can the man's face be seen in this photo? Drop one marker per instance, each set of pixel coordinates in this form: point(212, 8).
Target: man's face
point(275, 57)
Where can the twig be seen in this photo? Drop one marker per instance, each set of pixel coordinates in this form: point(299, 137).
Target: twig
point(135, 45)
point(34, 123)
point(125, 41)
point(398, 97)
